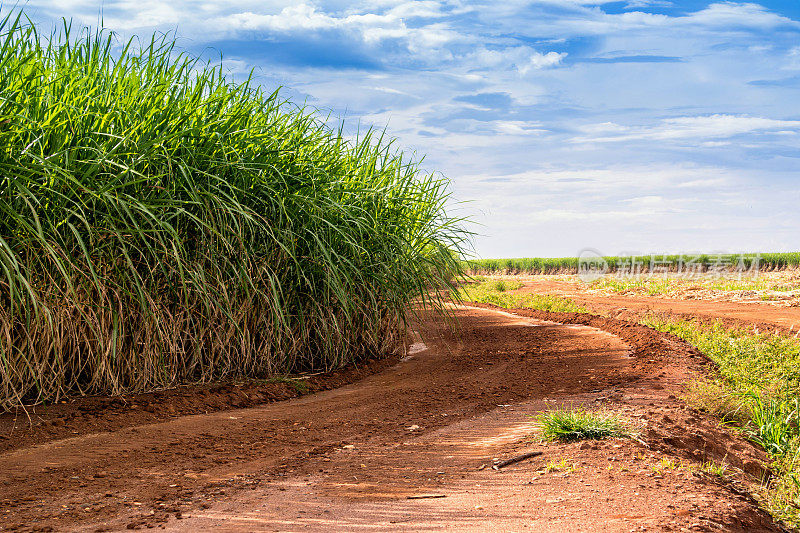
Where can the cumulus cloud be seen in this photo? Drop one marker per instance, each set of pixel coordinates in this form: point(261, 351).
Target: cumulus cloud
point(539, 61)
point(523, 59)
point(420, 9)
point(428, 42)
point(372, 27)
point(292, 18)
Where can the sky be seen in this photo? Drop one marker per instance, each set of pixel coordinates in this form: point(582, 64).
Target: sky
point(634, 126)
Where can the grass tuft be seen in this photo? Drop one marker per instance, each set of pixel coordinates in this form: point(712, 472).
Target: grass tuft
point(579, 424)
point(719, 470)
point(560, 466)
point(502, 285)
point(299, 385)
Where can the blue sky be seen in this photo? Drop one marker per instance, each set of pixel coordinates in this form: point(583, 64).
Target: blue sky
point(631, 126)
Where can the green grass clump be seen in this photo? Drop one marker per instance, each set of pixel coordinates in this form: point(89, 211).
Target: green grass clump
point(502, 285)
point(578, 424)
point(299, 385)
point(758, 389)
point(163, 224)
point(719, 470)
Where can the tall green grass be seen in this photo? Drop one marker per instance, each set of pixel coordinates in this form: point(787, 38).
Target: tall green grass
point(162, 224)
point(553, 265)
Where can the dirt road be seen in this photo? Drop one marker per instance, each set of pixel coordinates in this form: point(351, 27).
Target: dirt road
point(405, 449)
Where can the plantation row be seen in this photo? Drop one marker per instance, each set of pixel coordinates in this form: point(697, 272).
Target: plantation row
point(162, 224)
point(646, 263)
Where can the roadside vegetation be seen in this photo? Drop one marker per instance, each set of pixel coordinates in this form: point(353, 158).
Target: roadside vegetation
point(567, 425)
point(757, 389)
point(492, 292)
point(569, 265)
point(163, 224)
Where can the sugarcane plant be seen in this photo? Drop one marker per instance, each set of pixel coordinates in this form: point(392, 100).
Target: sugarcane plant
point(161, 223)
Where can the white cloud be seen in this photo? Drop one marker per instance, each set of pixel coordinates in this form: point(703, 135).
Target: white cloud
point(603, 127)
point(721, 17)
point(292, 18)
point(793, 59)
point(420, 9)
point(540, 61)
point(631, 215)
point(521, 58)
point(733, 14)
point(518, 127)
point(651, 201)
point(697, 127)
point(613, 181)
point(139, 14)
point(632, 4)
point(427, 42)
point(715, 144)
point(393, 91)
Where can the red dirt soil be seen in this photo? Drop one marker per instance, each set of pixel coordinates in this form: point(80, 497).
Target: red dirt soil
point(350, 457)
